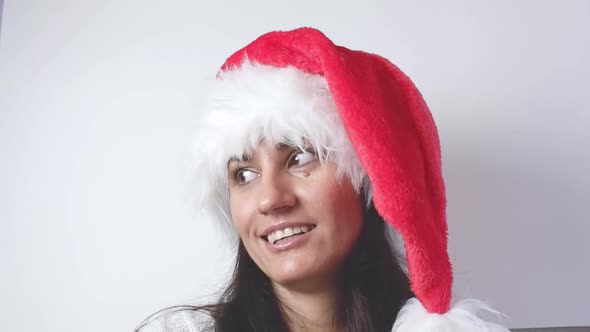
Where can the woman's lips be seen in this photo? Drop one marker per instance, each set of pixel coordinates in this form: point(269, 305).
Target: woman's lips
point(280, 234)
point(284, 225)
point(288, 243)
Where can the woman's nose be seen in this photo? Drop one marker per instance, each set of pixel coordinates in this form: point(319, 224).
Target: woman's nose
point(276, 194)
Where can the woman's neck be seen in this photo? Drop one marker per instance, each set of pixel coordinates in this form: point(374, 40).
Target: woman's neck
point(310, 305)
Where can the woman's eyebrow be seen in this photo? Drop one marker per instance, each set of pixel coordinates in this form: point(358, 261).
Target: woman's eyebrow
point(234, 158)
point(246, 157)
point(284, 146)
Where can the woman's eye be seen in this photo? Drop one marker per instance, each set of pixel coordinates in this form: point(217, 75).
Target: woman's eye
point(245, 175)
point(301, 157)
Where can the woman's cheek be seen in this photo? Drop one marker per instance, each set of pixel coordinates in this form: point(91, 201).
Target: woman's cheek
point(241, 212)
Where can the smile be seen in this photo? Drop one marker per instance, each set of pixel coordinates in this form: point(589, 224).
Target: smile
point(287, 232)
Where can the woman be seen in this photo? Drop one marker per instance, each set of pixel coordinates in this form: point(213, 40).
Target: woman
point(310, 151)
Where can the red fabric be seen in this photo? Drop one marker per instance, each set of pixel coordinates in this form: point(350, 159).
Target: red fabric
point(395, 138)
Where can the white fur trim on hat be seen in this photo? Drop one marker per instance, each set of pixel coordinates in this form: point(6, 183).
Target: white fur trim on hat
point(279, 105)
point(463, 317)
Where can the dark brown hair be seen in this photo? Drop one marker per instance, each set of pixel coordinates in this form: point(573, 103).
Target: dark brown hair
point(374, 288)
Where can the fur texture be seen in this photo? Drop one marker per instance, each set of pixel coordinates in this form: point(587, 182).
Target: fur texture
point(463, 317)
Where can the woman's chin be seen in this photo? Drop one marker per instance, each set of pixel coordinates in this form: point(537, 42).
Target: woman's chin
point(290, 274)
point(303, 278)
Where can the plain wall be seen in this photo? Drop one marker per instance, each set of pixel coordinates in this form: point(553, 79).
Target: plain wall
point(98, 101)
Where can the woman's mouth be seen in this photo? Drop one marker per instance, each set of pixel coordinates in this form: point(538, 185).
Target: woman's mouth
point(288, 233)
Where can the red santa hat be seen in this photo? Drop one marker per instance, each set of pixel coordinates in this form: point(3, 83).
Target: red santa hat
point(364, 113)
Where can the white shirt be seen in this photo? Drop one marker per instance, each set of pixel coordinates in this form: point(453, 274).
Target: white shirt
point(179, 321)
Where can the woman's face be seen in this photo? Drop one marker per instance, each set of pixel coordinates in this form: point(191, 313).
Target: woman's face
point(297, 220)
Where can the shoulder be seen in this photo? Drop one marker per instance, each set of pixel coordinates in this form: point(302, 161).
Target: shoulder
point(183, 320)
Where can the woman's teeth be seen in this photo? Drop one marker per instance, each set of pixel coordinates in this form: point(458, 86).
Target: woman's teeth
point(289, 231)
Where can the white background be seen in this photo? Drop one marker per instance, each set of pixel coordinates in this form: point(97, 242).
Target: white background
point(98, 101)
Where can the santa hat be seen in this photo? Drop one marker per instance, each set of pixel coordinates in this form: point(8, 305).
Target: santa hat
point(361, 111)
